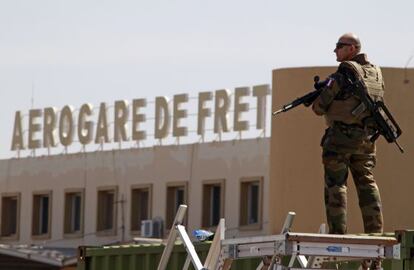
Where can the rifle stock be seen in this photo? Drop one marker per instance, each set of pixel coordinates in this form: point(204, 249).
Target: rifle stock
point(386, 125)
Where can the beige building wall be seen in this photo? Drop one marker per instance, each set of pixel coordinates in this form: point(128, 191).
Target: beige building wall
point(158, 165)
point(296, 165)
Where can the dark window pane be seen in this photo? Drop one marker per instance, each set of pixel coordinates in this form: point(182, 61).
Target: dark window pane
point(253, 203)
point(140, 208)
point(9, 216)
point(179, 197)
point(108, 214)
point(44, 214)
point(143, 205)
point(175, 197)
point(77, 201)
point(216, 204)
point(12, 222)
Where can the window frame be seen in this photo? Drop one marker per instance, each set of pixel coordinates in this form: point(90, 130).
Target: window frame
point(113, 230)
point(48, 193)
point(175, 184)
point(67, 192)
point(15, 236)
point(149, 187)
point(206, 202)
point(243, 224)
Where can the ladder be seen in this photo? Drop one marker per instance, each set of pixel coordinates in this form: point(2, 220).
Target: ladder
point(310, 250)
point(177, 229)
point(323, 246)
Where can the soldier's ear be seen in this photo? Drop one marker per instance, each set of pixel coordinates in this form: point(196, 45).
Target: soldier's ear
point(354, 48)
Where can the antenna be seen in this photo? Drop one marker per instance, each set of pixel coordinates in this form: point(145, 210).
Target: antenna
point(32, 98)
point(31, 107)
point(406, 80)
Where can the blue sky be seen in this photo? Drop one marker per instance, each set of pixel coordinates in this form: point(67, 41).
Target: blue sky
point(73, 52)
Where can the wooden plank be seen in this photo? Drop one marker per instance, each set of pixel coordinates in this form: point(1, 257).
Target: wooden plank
point(215, 248)
point(187, 262)
point(190, 248)
point(227, 264)
point(179, 217)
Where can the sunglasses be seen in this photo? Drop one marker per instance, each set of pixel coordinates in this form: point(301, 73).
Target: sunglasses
point(340, 45)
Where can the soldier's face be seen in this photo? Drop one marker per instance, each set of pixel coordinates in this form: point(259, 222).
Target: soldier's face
point(344, 51)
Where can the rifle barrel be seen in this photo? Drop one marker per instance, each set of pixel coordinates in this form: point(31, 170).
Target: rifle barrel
point(399, 147)
point(285, 108)
point(277, 112)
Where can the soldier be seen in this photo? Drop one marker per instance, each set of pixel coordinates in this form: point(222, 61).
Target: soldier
point(346, 143)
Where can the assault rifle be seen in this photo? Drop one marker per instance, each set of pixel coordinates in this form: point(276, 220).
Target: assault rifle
point(384, 121)
point(307, 99)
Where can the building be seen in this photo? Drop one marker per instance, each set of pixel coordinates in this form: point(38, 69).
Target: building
point(101, 197)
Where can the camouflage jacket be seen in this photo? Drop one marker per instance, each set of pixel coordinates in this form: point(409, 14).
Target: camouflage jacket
point(347, 132)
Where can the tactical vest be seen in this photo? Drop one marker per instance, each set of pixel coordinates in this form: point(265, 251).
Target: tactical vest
point(350, 110)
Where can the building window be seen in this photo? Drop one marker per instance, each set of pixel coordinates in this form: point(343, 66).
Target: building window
point(251, 202)
point(176, 195)
point(106, 220)
point(42, 208)
point(213, 203)
point(73, 223)
point(10, 216)
point(141, 198)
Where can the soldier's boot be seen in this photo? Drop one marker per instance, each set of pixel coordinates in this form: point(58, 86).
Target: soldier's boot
point(365, 264)
point(267, 260)
point(371, 264)
point(376, 265)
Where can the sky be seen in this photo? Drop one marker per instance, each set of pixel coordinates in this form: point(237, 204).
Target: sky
point(61, 52)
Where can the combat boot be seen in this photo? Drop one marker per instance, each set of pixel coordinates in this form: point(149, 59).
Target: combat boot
point(371, 264)
point(365, 264)
point(376, 265)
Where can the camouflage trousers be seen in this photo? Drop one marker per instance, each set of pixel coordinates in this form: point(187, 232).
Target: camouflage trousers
point(336, 166)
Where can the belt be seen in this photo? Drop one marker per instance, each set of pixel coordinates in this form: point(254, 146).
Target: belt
point(348, 126)
point(354, 131)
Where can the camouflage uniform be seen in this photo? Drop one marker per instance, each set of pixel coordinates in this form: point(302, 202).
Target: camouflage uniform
point(347, 146)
